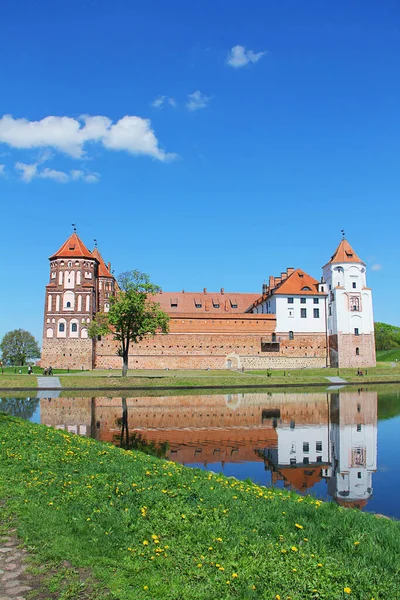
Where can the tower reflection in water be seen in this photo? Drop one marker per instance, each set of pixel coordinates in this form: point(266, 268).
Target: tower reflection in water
point(302, 439)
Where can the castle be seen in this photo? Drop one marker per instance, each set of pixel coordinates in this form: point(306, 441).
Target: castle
point(296, 322)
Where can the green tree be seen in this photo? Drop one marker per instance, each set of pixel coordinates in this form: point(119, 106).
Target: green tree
point(133, 314)
point(387, 337)
point(19, 346)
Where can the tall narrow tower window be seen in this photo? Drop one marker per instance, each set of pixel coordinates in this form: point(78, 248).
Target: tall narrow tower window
point(357, 351)
point(61, 327)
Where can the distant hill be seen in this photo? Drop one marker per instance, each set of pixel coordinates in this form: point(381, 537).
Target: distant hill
point(387, 342)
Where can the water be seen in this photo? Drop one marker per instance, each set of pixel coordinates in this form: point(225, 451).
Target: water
point(338, 445)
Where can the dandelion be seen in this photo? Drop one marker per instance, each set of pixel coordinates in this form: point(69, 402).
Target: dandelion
point(145, 543)
point(253, 587)
point(277, 597)
point(319, 565)
point(294, 549)
point(347, 590)
point(234, 575)
point(154, 537)
point(356, 543)
point(145, 587)
point(199, 566)
point(183, 516)
point(299, 526)
point(305, 539)
point(283, 551)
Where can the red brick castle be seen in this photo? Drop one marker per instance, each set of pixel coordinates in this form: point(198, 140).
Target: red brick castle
point(296, 322)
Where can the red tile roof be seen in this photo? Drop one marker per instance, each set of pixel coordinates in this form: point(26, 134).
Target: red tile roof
point(103, 270)
point(344, 253)
point(73, 248)
point(300, 283)
point(216, 302)
point(291, 283)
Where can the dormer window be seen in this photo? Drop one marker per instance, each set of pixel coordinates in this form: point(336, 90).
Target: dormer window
point(174, 302)
point(234, 303)
point(306, 289)
point(197, 303)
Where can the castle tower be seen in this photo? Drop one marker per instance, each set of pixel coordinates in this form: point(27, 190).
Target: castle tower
point(350, 321)
point(70, 305)
point(105, 283)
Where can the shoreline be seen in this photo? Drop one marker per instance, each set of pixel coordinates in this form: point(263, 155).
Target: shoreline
point(203, 387)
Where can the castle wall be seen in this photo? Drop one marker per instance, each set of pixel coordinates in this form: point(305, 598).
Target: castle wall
point(67, 353)
point(343, 350)
point(215, 351)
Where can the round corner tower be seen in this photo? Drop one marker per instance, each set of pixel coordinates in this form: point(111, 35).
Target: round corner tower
point(350, 321)
point(70, 305)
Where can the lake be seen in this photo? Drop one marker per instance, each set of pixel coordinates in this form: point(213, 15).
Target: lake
point(337, 444)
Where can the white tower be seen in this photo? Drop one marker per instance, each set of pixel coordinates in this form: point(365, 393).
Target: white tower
point(350, 321)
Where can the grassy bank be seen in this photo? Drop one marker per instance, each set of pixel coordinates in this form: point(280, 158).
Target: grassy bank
point(147, 528)
point(161, 379)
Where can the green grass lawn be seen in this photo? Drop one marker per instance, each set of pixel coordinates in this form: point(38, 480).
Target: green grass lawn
point(111, 379)
point(388, 355)
point(146, 528)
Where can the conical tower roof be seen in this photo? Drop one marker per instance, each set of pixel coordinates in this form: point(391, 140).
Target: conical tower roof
point(73, 248)
point(344, 253)
point(103, 269)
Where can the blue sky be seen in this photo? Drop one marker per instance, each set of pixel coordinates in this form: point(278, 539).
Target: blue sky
point(234, 139)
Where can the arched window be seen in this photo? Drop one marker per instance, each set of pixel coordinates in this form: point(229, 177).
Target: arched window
point(61, 327)
point(74, 327)
point(291, 335)
point(306, 289)
point(357, 351)
point(68, 305)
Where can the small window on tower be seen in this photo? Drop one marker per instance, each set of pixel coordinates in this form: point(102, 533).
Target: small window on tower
point(291, 335)
point(61, 327)
point(356, 332)
point(354, 285)
point(74, 327)
point(68, 305)
point(357, 351)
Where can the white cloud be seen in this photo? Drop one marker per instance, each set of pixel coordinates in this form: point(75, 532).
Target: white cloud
point(197, 100)
point(160, 101)
point(29, 172)
point(2, 168)
point(376, 267)
point(238, 56)
point(70, 136)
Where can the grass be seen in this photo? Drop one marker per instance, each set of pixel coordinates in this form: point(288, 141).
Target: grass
point(162, 379)
point(388, 355)
point(146, 528)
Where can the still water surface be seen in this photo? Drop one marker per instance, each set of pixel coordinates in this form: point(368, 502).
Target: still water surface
point(336, 444)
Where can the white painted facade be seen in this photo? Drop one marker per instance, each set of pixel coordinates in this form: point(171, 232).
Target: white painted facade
point(349, 301)
point(301, 445)
point(296, 313)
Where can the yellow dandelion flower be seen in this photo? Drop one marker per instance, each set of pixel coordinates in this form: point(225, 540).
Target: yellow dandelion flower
point(221, 569)
point(154, 537)
point(145, 587)
point(199, 566)
point(228, 582)
point(299, 526)
point(183, 516)
point(294, 549)
point(283, 551)
point(294, 570)
point(234, 575)
point(356, 543)
point(145, 542)
point(277, 597)
point(253, 587)
point(305, 539)
point(319, 565)
point(347, 590)
point(210, 548)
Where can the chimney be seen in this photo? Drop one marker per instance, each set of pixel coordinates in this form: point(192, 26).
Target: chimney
point(290, 270)
point(205, 290)
point(109, 266)
point(277, 280)
point(222, 291)
point(183, 291)
point(283, 276)
point(271, 282)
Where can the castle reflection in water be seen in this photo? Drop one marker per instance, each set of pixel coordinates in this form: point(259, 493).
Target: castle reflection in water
point(301, 438)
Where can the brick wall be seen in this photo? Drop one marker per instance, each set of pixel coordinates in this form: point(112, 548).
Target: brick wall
point(342, 350)
point(208, 350)
point(67, 353)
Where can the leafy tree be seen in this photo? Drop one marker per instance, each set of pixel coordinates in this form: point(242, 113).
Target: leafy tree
point(132, 315)
point(19, 346)
point(387, 337)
